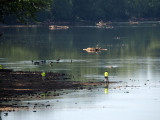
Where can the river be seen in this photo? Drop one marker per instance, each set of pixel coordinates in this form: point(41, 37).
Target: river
point(133, 57)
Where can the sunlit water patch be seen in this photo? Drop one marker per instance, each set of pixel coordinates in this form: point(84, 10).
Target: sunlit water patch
point(122, 99)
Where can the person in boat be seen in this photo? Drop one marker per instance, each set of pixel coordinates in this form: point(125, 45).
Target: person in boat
point(106, 76)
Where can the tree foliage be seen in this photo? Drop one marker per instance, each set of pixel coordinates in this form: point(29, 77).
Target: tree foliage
point(93, 10)
point(79, 10)
point(22, 9)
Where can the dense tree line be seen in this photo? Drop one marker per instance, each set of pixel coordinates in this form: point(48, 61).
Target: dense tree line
point(83, 10)
point(94, 10)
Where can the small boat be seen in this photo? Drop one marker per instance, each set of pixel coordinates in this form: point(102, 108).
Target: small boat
point(97, 49)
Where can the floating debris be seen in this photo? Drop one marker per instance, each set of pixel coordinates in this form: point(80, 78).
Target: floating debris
point(56, 27)
point(97, 49)
point(101, 23)
point(109, 27)
point(133, 22)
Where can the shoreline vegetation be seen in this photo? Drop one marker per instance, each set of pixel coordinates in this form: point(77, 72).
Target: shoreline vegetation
point(65, 25)
point(16, 86)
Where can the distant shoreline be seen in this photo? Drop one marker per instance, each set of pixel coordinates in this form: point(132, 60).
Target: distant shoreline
point(140, 20)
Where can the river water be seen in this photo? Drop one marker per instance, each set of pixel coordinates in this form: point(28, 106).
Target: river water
point(133, 57)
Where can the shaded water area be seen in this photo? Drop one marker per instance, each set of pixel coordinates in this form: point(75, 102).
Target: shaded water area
point(133, 57)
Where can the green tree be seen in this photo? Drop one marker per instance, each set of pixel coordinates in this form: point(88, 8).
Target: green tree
point(79, 10)
point(62, 10)
point(90, 10)
point(22, 9)
point(115, 9)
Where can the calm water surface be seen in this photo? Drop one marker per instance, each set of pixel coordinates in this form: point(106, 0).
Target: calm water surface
point(133, 57)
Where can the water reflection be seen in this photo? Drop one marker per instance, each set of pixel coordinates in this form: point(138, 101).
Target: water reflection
point(0, 116)
point(106, 87)
point(132, 51)
point(133, 55)
point(44, 95)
